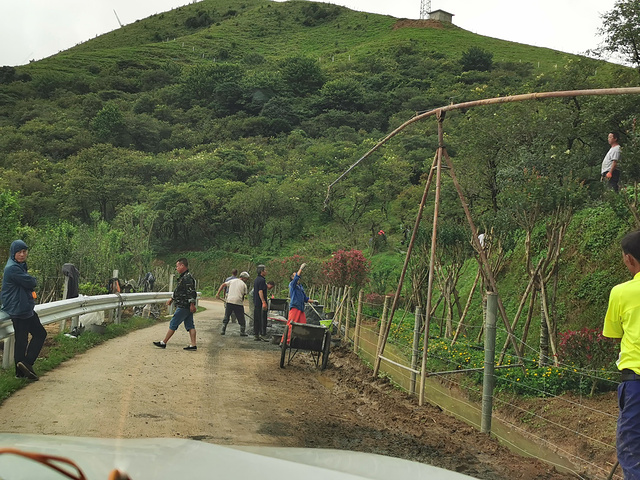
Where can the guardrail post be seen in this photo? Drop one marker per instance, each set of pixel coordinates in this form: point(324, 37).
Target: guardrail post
point(416, 349)
point(171, 290)
point(7, 353)
point(489, 361)
point(63, 322)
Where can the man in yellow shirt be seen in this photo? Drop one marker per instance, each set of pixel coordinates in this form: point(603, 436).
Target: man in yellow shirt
point(623, 321)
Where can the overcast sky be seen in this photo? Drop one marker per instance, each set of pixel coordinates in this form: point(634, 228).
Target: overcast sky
point(34, 29)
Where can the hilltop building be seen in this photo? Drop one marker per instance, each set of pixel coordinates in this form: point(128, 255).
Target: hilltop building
point(441, 16)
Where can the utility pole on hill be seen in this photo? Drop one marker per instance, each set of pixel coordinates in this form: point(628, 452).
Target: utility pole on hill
point(117, 18)
point(425, 9)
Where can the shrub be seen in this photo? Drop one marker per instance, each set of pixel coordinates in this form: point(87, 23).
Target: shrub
point(347, 268)
point(587, 348)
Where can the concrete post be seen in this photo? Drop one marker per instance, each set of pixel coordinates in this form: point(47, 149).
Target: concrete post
point(489, 361)
point(416, 349)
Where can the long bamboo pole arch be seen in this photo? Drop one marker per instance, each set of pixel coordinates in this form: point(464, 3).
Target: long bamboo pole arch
point(479, 103)
point(437, 164)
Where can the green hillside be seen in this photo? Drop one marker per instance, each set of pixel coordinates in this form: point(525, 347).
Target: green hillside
point(216, 128)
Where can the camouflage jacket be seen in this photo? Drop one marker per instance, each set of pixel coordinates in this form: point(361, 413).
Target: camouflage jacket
point(185, 291)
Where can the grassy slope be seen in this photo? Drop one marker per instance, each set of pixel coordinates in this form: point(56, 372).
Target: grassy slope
point(276, 30)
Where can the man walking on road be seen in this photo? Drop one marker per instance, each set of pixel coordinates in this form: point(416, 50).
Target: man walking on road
point(18, 301)
point(260, 304)
point(623, 321)
point(236, 289)
point(184, 297)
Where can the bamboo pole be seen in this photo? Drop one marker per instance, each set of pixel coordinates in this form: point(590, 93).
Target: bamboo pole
point(483, 258)
point(545, 314)
point(523, 300)
point(409, 250)
point(484, 102)
point(382, 330)
point(432, 261)
point(356, 336)
point(466, 308)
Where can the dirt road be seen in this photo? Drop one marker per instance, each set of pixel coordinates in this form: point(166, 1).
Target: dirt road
point(231, 391)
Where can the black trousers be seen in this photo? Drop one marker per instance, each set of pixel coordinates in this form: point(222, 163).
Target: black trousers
point(613, 181)
point(238, 310)
point(259, 321)
point(27, 351)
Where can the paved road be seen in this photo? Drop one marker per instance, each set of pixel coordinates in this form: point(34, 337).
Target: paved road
point(126, 387)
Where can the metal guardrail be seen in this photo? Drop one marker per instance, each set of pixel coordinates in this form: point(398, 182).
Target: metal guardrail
point(56, 311)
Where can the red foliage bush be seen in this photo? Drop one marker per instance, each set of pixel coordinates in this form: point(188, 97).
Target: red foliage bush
point(588, 348)
point(347, 268)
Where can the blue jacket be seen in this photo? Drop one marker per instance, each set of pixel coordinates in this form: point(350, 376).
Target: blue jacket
point(17, 285)
point(296, 294)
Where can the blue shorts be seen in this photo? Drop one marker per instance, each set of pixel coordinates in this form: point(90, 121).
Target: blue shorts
point(628, 435)
point(182, 315)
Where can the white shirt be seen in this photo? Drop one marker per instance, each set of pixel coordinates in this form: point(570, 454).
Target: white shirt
point(237, 291)
point(613, 155)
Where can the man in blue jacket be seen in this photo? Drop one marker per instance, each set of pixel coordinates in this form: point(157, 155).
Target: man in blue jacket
point(18, 301)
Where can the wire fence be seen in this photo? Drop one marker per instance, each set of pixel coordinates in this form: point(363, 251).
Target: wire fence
point(542, 411)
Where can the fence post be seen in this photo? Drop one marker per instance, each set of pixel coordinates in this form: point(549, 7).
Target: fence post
point(347, 313)
point(339, 312)
point(489, 361)
point(356, 334)
point(332, 299)
point(416, 348)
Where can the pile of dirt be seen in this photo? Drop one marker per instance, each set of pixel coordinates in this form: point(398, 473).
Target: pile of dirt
point(379, 418)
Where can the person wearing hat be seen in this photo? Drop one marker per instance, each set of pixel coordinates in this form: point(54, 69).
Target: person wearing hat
point(18, 301)
point(236, 289)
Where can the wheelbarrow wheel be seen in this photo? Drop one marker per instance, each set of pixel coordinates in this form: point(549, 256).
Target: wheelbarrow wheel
point(283, 354)
point(325, 350)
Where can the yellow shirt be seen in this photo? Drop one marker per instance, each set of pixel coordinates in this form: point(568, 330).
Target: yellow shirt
point(623, 321)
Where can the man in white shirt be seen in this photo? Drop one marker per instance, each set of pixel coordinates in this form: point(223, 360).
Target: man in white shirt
point(236, 291)
point(610, 169)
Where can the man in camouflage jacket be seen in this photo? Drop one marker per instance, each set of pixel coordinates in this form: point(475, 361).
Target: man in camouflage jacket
point(184, 296)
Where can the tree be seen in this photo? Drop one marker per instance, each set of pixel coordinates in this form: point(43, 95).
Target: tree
point(108, 124)
point(621, 29)
point(477, 59)
point(303, 75)
point(10, 215)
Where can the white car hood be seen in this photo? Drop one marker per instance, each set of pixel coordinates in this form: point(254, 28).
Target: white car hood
point(172, 458)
